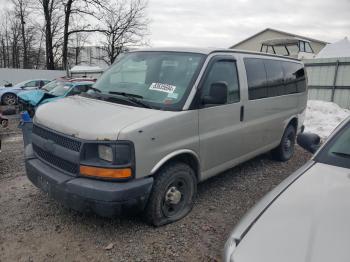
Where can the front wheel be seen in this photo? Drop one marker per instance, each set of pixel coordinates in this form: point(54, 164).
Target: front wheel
point(9, 99)
point(172, 195)
point(285, 149)
point(4, 123)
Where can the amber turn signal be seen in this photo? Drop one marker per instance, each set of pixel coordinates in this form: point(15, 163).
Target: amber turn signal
point(101, 172)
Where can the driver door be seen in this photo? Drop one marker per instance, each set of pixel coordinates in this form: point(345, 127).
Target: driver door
point(220, 126)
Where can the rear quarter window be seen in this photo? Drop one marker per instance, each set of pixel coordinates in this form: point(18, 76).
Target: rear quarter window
point(273, 77)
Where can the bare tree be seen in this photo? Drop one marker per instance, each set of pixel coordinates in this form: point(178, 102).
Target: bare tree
point(21, 12)
point(124, 26)
point(80, 9)
point(52, 17)
point(10, 40)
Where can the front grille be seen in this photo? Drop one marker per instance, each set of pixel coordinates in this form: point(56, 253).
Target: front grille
point(56, 161)
point(58, 139)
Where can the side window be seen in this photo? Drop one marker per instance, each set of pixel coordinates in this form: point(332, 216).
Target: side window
point(32, 84)
point(302, 46)
point(256, 76)
point(223, 71)
point(274, 74)
point(41, 83)
point(78, 89)
point(294, 77)
point(308, 48)
point(270, 49)
point(301, 79)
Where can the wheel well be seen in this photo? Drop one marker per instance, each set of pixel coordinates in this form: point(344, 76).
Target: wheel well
point(188, 159)
point(294, 123)
point(7, 93)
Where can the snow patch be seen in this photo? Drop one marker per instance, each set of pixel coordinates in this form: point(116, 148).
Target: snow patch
point(323, 117)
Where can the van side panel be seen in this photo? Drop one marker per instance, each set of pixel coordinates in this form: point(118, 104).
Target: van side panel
point(273, 103)
point(268, 117)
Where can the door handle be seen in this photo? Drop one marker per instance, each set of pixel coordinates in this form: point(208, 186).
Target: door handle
point(241, 116)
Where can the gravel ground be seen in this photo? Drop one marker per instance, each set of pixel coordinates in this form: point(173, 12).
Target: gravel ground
point(36, 228)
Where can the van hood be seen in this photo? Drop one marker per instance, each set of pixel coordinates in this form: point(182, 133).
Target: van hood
point(90, 119)
point(308, 222)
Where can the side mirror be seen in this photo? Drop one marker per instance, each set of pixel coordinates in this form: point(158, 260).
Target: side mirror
point(217, 94)
point(309, 141)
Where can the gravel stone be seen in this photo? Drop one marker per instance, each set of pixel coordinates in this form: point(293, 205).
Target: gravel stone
point(36, 228)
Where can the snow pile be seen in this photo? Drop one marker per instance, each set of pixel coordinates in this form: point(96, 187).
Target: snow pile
point(322, 117)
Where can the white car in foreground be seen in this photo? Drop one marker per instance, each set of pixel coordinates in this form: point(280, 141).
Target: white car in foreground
point(306, 217)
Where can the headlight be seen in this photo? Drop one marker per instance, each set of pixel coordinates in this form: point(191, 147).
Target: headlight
point(108, 160)
point(105, 153)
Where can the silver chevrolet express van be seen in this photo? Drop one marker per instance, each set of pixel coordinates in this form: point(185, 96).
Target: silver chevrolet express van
point(161, 120)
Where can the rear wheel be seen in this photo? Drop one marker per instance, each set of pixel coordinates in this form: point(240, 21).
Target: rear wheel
point(9, 99)
point(285, 149)
point(172, 195)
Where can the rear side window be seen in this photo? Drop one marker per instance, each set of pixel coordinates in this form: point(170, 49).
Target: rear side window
point(256, 75)
point(294, 78)
point(270, 78)
point(275, 78)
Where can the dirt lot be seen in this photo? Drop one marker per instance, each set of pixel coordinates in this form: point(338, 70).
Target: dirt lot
point(35, 228)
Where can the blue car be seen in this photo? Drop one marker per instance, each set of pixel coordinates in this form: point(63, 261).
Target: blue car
point(8, 95)
point(55, 90)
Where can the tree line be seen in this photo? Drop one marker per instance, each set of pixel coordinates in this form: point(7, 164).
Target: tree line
point(50, 33)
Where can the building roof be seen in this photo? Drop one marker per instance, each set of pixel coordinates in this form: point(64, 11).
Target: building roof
point(335, 50)
point(281, 32)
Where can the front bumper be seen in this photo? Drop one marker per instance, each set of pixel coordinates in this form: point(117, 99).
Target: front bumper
point(104, 198)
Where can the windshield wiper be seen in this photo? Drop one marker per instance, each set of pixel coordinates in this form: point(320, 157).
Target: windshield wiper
point(132, 97)
point(341, 154)
point(95, 89)
point(125, 94)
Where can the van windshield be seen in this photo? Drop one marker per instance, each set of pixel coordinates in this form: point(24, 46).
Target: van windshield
point(160, 79)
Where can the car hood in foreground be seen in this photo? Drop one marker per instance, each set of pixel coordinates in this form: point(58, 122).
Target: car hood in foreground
point(308, 222)
point(89, 118)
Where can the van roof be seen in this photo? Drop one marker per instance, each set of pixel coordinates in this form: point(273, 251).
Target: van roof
point(207, 51)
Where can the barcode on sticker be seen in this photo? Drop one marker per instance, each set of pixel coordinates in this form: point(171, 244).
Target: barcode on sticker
point(162, 88)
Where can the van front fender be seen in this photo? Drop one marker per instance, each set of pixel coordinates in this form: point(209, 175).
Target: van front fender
point(175, 154)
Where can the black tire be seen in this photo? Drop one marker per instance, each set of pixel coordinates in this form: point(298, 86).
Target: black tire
point(285, 149)
point(9, 99)
point(162, 208)
point(4, 123)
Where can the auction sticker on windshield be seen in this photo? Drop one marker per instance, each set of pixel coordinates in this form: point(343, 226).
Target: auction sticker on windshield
point(162, 87)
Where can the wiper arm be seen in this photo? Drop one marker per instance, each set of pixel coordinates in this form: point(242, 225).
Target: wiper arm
point(132, 97)
point(95, 89)
point(125, 94)
point(341, 154)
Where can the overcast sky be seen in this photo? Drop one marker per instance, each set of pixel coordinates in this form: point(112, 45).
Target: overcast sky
point(222, 23)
